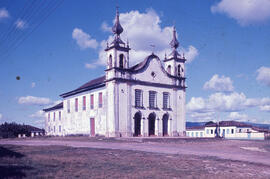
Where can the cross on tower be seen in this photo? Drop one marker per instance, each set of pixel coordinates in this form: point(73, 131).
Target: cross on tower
point(153, 48)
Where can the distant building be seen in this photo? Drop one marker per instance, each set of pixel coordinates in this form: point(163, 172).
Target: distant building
point(228, 130)
point(147, 99)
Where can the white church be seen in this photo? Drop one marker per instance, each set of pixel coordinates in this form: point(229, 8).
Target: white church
point(147, 99)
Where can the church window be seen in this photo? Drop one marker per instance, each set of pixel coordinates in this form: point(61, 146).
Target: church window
point(48, 116)
point(138, 98)
point(169, 69)
point(110, 61)
point(68, 106)
point(59, 115)
point(100, 100)
point(92, 101)
point(152, 99)
point(121, 61)
point(54, 116)
point(84, 103)
point(179, 70)
point(166, 100)
point(76, 104)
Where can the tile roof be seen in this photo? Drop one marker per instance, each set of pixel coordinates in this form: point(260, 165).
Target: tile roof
point(58, 106)
point(196, 128)
point(233, 123)
point(93, 84)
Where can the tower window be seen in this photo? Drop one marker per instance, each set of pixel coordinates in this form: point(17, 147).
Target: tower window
point(179, 70)
point(169, 69)
point(110, 61)
point(121, 61)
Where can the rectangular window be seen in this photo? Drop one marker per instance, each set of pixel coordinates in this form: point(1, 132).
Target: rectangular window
point(84, 103)
point(76, 104)
point(59, 115)
point(212, 131)
point(166, 100)
point(59, 128)
point(138, 98)
point(228, 131)
point(196, 134)
point(92, 101)
point(53, 128)
point(207, 131)
point(53, 116)
point(232, 131)
point(152, 99)
point(68, 106)
point(48, 116)
point(201, 134)
point(100, 100)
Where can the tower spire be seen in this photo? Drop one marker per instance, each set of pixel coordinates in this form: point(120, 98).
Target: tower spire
point(174, 44)
point(117, 29)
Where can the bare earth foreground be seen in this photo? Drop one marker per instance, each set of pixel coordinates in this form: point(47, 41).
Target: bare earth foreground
point(83, 157)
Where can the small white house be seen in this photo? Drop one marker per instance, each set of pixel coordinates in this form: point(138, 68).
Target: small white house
point(227, 130)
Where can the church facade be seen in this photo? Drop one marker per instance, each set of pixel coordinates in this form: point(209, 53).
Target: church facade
point(147, 99)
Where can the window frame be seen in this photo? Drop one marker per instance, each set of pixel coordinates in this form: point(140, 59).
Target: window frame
point(76, 104)
point(151, 93)
point(100, 99)
point(168, 100)
point(140, 103)
point(84, 103)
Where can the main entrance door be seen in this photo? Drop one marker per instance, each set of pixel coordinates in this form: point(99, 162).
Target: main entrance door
point(137, 124)
point(92, 126)
point(151, 124)
point(165, 124)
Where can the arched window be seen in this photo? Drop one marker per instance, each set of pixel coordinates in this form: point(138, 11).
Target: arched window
point(169, 69)
point(110, 61)
point(121, 61)
point(179, 70)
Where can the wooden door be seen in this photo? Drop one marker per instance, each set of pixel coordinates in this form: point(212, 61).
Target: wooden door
point(92, 126)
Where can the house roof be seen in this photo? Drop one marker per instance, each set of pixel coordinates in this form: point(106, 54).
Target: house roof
point(233, 123)
point(93, 84)
point(58, 106)
point(196, 128)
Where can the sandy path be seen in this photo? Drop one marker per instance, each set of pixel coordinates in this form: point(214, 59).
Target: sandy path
point(232, 150)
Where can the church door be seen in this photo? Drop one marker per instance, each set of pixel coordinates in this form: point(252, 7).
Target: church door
point(151, 124)
point(137, 124)
point(92, 126)
point(165, 124)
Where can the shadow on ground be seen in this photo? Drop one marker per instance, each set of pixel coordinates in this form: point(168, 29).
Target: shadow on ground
point(11, 171)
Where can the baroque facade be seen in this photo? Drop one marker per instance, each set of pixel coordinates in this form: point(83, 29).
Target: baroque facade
point(147, 99)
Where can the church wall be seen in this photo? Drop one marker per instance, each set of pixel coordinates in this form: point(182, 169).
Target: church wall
point(79, 122)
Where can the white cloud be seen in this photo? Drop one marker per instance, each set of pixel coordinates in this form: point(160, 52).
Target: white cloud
point(221, 84)
point(1, 116)
point(105, 27)
point(263, 75)
point(143, 30)
point(245, 12)
point(207, 116)
point(39, 114)
point(20, 24)
point(83, 39)
point(265, 104)
point(90, 66)
point(3, 14)
point(32, 100)
point(33, 85)
point(190, 53)
point(237, 116)
point(223, 103)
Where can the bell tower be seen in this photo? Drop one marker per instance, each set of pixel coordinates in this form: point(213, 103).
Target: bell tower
point(175, 63)
point(117, 52)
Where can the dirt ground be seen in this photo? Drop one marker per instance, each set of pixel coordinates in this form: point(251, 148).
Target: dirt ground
point(83, 157)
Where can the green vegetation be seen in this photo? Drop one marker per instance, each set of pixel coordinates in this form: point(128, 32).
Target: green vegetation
point(11, 130)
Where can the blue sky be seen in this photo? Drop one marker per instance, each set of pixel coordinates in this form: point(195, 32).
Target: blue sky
point(227, 44)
